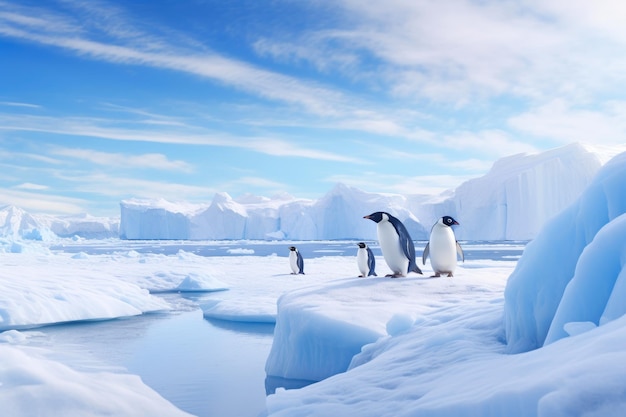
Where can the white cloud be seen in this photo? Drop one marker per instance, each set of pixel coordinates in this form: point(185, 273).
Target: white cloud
point(398, 184)
point(489, 143)
point(566, 123)
point(116, 187)
point(41, 203)
point(18, 104)
point(31, 186)
point(52, 29)
point(189, 135)
point(149, 160)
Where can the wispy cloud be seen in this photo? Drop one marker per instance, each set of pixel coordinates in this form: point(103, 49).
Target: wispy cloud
point(118, 187)
point(398, 184)
point(114, 159)
point(122, 47)
point(18, 104)
point(459, 51)
point(31, 186)
point(34, 201)
point(191, 135)
point(564, 122)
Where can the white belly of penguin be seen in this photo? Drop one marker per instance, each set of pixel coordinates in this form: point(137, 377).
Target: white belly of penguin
point(361, 261)
point(392, 251)
point(293, 262)
point(442, 249)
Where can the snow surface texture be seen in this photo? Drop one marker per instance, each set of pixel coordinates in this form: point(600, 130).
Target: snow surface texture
point(574, 270)
point(511, 202)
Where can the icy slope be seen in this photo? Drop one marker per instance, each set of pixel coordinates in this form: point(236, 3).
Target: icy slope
point(569, 272)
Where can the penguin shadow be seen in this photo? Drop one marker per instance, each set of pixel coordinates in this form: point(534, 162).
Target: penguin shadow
point(288, 274)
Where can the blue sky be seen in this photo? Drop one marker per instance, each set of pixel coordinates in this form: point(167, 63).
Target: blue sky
point(102, 101)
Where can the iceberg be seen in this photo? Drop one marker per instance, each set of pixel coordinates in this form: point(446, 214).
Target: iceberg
point(571, 270)
point(17, 224)
point(511, 202)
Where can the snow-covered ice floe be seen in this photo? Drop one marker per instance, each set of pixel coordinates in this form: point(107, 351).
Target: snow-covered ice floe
point(457, 357)
point(38, 287)
point(33, 385)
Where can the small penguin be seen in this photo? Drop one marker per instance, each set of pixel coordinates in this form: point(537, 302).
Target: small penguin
point(443, 247)
point(395, 243)
point(295, 261)
point(365, 260)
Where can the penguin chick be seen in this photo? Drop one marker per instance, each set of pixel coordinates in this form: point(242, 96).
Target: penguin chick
point(365, 260)
point(295, 261)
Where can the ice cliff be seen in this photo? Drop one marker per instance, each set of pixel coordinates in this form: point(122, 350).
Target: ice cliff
point(572, 276)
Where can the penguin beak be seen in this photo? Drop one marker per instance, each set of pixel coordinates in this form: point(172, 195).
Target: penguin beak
point(366, 217)
point(457, 223)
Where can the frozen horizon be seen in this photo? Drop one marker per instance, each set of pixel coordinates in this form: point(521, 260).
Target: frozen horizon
point(512, 202)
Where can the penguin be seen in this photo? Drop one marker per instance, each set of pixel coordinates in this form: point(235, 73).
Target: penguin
point(365, 260)
point(295, 261)
point(443, 247)
point(396, 244)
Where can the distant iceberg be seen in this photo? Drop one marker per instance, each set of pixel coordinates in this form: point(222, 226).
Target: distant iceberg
point(511, 202)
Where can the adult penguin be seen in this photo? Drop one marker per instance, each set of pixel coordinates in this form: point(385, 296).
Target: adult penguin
point(443, 247)
point(395, 243)
point(295, 261)
point(365, 260)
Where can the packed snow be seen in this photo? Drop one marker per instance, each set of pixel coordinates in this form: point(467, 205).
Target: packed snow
point(542, 336)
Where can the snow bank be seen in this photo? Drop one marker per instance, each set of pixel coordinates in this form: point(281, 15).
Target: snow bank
point(33, 293)
point(319, 329)
point(571, 252)
point(451, 363)
point(32, 385)
point(200, 283)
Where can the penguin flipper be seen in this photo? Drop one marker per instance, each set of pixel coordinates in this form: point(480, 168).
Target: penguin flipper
point(459, 251)
point(300, 264)
point(371, 262)
point(426, 252)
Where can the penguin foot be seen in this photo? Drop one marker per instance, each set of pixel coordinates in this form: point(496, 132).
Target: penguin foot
point(361, 276)
point(394, 275)
point(450, 274)
point(437, 275)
